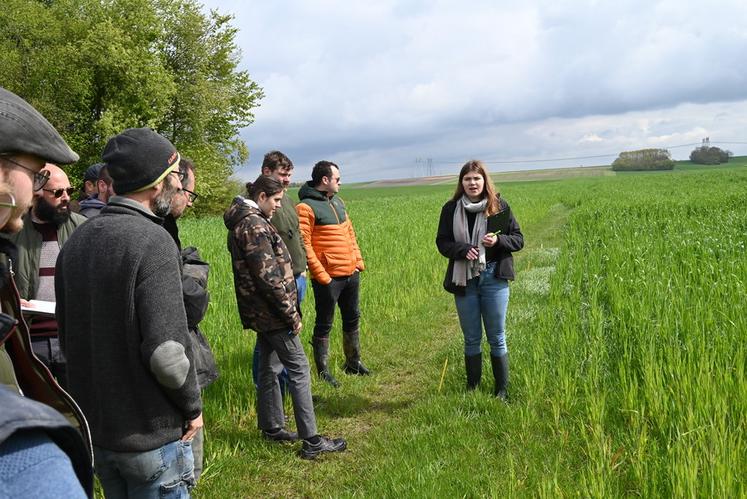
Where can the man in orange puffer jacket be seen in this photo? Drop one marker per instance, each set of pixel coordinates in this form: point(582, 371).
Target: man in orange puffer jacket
point(335, 263)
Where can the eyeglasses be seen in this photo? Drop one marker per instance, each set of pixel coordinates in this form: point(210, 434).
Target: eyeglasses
point(179, 174)
point(58, 192)
point(7, 200)
point(192, 196)
point(40, 178)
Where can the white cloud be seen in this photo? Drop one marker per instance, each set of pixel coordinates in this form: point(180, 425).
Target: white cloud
point(381, 83)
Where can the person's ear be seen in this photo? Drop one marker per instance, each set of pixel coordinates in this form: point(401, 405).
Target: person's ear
point(262, 197)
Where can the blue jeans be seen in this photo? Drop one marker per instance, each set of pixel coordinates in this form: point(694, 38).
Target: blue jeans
point(283, 376)
point(485, 302)
point(167, 471)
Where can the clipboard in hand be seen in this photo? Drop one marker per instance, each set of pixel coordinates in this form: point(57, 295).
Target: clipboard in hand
point(499, 222)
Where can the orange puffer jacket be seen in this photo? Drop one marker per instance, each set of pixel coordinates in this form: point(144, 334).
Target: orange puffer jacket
point(331, 246)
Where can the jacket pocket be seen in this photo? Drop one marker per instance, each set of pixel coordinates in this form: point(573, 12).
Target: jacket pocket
point(337, 264)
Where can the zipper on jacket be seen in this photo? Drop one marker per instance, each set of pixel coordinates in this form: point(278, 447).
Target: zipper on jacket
point(334, 211)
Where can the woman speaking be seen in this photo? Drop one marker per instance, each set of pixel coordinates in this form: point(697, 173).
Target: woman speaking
point(478, 233)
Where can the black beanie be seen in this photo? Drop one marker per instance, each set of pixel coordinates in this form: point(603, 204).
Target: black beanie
point(138, 158)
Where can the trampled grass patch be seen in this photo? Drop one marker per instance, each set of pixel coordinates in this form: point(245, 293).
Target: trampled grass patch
point(625, 332)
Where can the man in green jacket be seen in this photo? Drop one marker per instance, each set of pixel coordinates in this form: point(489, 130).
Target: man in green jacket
point(285, 220)
point(46, 227)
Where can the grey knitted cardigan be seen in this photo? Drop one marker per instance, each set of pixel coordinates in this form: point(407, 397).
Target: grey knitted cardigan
point(123, 329)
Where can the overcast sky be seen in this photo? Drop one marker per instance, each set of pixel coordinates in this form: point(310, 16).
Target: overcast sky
point(374, 85)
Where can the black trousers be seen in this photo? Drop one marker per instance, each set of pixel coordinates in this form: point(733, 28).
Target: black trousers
point(49, 352)
point(342, 291)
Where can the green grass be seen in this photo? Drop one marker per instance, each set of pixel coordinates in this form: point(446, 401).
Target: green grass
point(625, 331)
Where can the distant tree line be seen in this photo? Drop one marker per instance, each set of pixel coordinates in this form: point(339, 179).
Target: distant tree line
point(643, 159)
point(709, 155)
point(96, 67)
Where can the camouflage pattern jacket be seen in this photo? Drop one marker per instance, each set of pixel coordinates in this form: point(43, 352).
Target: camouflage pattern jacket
point(262, 270)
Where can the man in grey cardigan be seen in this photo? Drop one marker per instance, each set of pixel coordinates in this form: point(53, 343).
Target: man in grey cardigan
point(123, 326)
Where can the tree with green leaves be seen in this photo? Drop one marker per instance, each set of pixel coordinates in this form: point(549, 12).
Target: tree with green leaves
point(643, 159)
point(94, 68)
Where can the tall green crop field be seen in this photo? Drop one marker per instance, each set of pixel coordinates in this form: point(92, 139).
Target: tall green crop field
point(626, 332)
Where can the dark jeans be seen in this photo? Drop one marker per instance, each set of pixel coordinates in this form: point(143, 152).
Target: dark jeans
point(49, 352)
point(278, 350)
point(342, 291)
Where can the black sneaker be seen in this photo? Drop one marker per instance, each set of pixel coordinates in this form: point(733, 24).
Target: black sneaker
point(325, 444)
point(280, 435)
point(356, 368)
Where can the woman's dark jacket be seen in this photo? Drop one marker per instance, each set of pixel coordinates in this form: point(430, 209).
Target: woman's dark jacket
point(513, 240)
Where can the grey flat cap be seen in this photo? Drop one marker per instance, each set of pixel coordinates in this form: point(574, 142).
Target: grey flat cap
point(24, 130)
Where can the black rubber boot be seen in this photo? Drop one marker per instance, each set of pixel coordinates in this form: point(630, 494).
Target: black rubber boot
point(500, 372)
point(321, 359)
point(473, 364)
point(351, 345)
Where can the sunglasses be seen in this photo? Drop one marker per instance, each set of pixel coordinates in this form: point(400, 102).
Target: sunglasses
point(192, 196)
point(58, 192)
point(40, 178)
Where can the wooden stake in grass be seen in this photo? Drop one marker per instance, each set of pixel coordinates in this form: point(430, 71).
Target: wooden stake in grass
point(443, 375)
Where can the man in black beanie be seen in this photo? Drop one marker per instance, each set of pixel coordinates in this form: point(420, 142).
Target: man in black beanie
point(123, 326)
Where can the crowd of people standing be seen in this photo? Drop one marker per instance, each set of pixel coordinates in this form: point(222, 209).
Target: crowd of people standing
point(114, 374)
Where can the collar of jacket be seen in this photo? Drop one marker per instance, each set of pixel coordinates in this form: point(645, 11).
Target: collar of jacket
point(309, 191)
point(125, 202)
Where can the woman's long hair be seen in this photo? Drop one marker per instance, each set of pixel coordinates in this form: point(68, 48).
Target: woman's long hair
point(474, 165)
point(264, 183)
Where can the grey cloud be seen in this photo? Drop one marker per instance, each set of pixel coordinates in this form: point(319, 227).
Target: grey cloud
point(378, 80)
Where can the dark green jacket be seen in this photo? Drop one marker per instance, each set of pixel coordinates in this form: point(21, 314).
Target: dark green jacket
point(285, 221)
point(29, 242)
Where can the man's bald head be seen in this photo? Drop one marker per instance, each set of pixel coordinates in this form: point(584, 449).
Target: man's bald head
point(57, 177)
point(52, 203)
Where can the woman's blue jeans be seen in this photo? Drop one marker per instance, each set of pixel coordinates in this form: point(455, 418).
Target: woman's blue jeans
point(485, 302)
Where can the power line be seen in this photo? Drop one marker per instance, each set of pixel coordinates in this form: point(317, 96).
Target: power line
point(571, 158)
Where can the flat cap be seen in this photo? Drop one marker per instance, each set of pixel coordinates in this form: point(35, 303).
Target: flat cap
point(24, 130)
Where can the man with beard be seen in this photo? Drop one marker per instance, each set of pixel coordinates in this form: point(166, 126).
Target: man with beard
point(46, 227)
point(123, 327)
point(195, 273)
